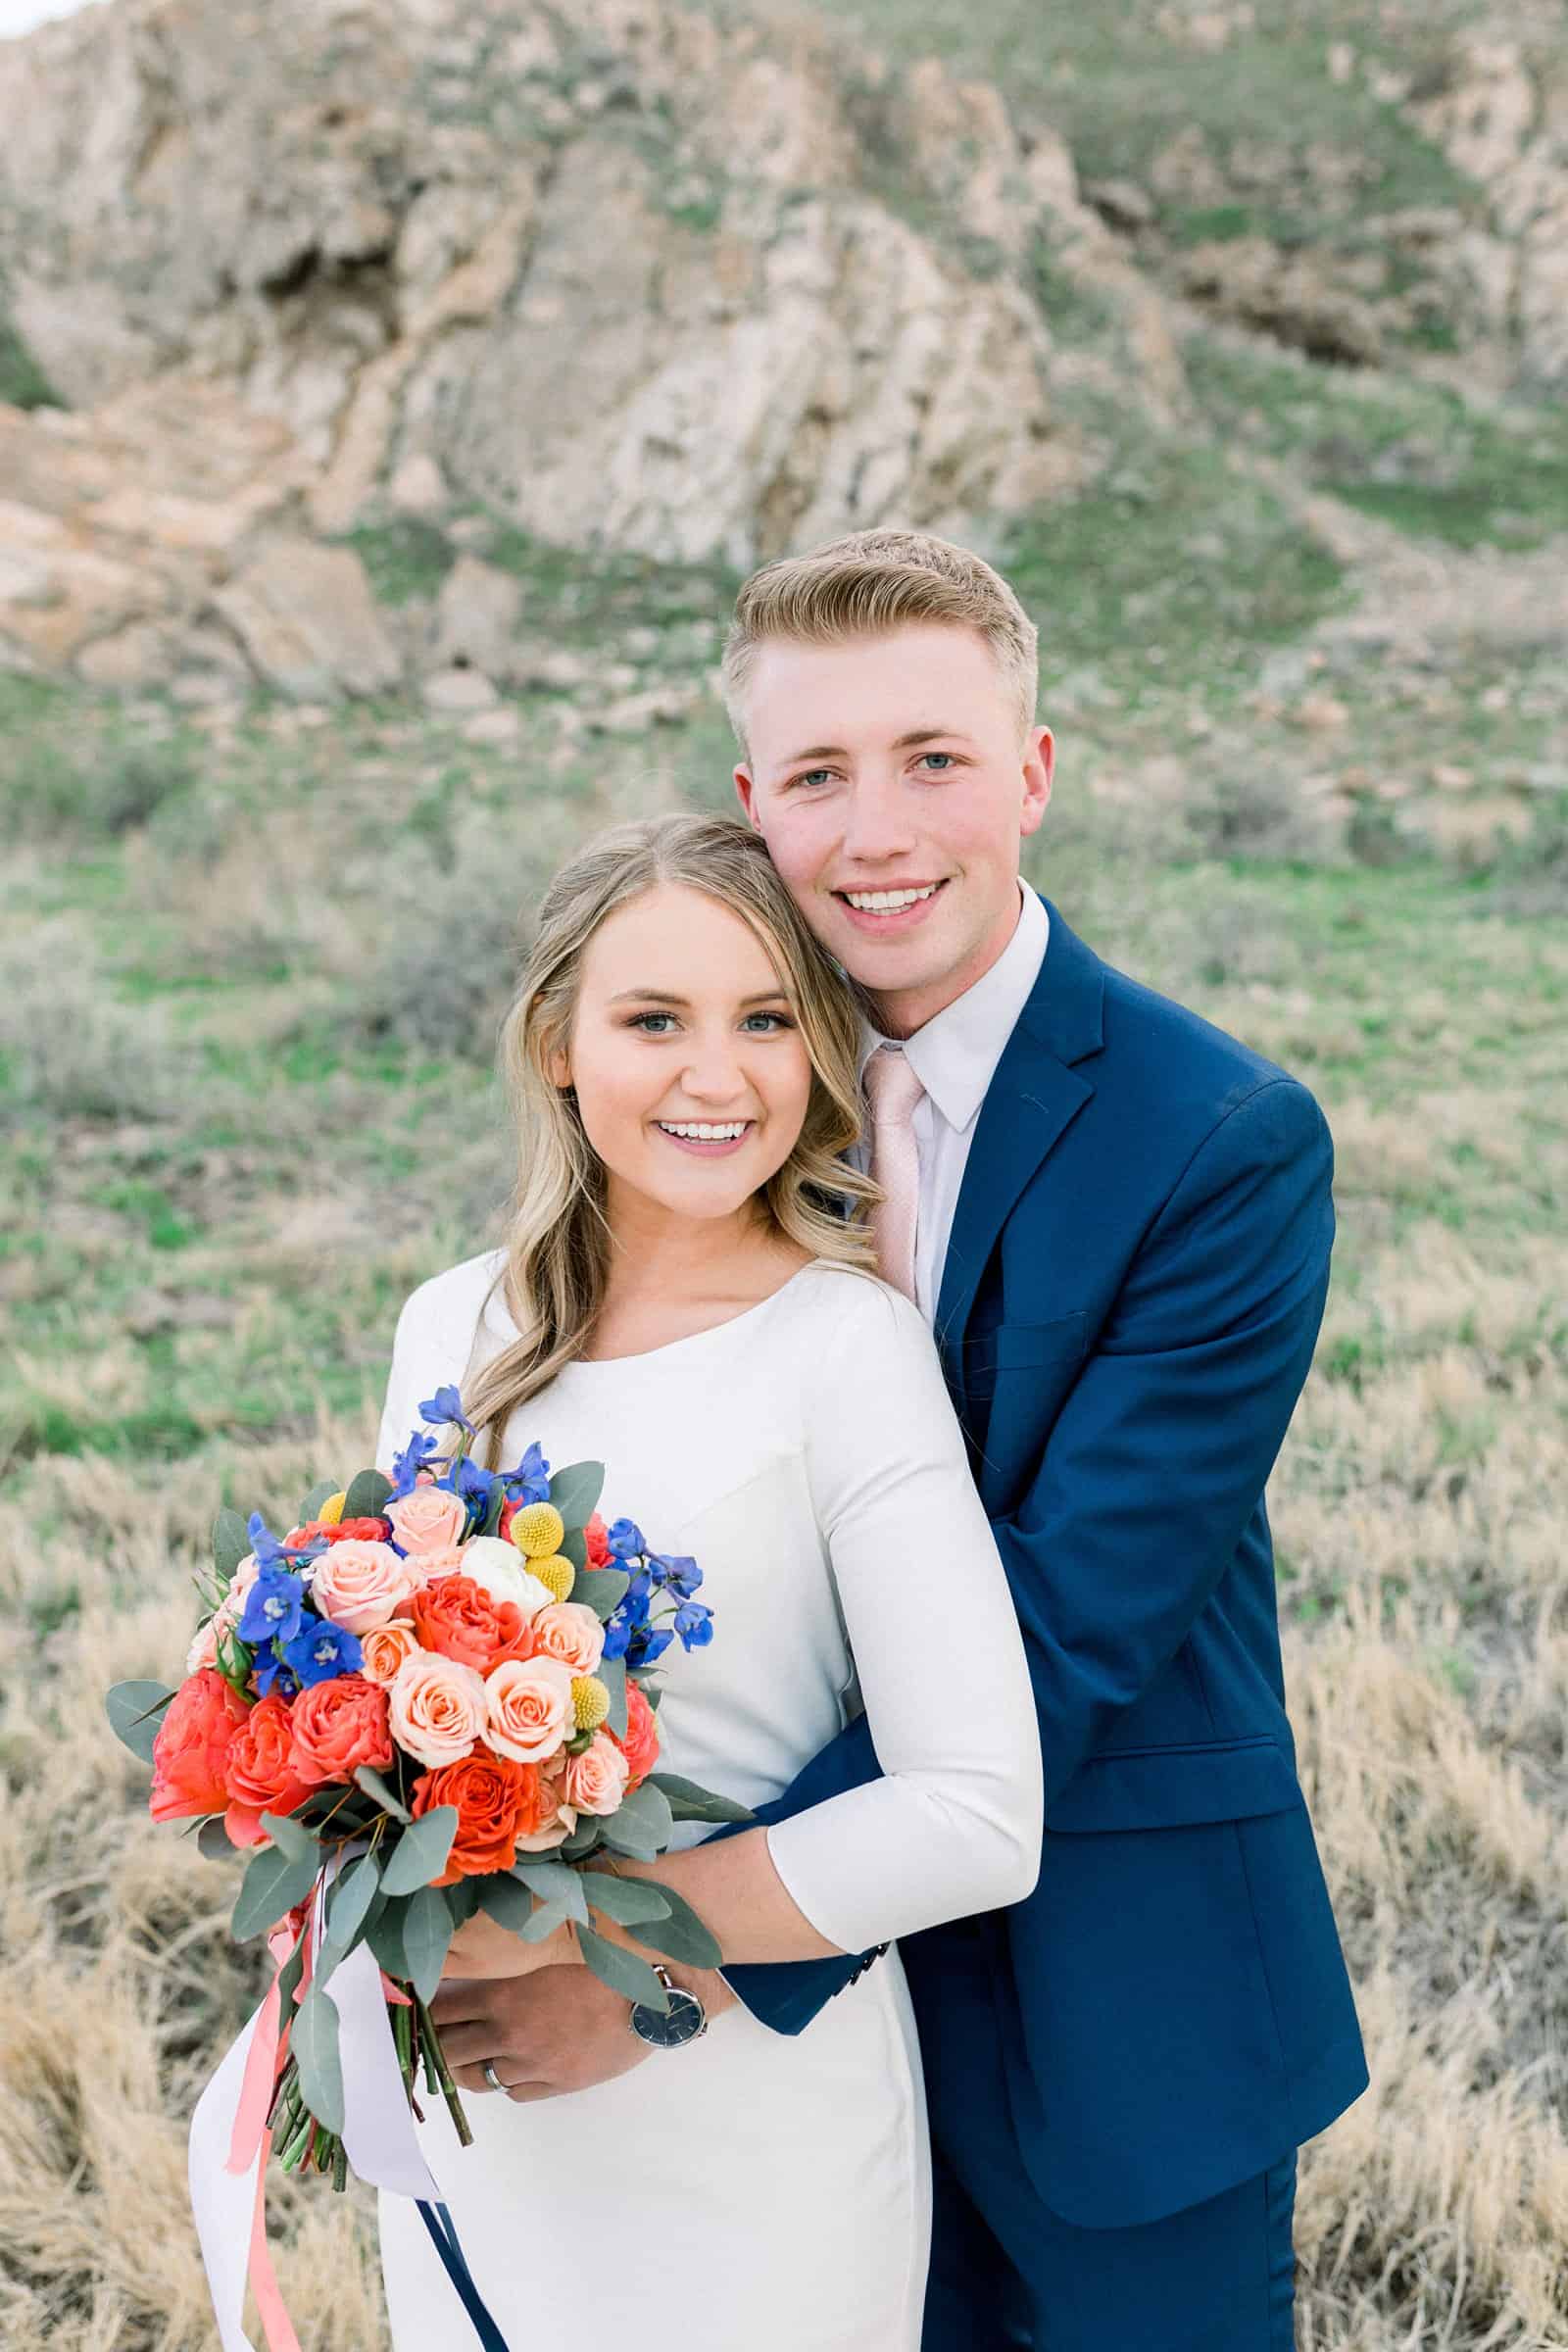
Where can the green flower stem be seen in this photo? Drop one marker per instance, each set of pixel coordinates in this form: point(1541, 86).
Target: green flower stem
point(340, 2168)
point(444, 2083)
point(300, 2130)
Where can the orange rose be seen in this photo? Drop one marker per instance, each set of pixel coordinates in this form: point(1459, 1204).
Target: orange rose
point(261, 1772)
point(192, 1747)
point(639, 1742)
point(338, 1531)
point(497, 1802)
point(457, 1618)
point(339, 1724)
point(383, 1649)
point(596, 1536)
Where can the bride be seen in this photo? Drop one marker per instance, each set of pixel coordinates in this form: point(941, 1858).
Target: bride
point(682, 1294)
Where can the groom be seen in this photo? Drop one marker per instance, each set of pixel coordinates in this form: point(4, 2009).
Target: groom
point(1118, 1221)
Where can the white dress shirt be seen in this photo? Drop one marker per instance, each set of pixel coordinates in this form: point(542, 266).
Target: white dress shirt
point(955, 1057)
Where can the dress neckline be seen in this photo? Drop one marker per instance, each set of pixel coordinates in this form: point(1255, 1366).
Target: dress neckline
point(693, 1339)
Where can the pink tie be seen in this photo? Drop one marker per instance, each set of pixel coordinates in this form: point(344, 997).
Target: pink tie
point(893, 1091)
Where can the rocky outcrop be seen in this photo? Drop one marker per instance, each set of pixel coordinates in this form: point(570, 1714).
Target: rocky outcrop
point(614, 276)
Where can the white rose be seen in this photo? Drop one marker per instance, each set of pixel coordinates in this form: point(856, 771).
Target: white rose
point(498, 1568)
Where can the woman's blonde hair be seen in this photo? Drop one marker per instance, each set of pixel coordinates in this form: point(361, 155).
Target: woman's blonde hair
point(559, 1241)
point(868, 584)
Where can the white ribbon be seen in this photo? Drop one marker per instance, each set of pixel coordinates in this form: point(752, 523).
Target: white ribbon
point(379, 2134)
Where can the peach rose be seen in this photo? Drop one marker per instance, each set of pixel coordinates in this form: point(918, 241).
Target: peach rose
point(556, 1818)
point(383, 1649)
point(528, 1708)
point(427, 1520)
point(639, 1742)
point(596, 1781)
point(261, 1772)
point(360, 1585)
point(191, 1749)
point(437, 1708)
point(203, 1650)
point(339, 1724)
point(570, 1631)
point(231, 1608)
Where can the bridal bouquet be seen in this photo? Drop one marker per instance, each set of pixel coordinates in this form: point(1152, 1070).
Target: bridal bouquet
point(433, 1693)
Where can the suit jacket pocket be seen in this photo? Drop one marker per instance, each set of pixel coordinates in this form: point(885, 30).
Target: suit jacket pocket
point(1170, 1788)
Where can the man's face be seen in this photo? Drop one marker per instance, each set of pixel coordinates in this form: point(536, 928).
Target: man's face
point(889, 781)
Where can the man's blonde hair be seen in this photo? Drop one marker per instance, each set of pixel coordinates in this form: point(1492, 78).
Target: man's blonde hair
point(867, 584)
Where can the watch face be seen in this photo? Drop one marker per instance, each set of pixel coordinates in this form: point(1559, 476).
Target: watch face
point(682, 2022)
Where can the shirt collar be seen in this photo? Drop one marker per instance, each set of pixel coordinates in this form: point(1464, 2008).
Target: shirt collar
point(956, 1055)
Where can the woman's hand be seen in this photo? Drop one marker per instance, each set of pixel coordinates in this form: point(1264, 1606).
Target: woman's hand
point(483, 1948)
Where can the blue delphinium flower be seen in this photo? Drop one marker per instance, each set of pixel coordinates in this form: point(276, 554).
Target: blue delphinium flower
point(265, 1546)
point(273, 1607)
point(625, 1539)
point(618, 1636)
point(530, 1481)
point(647, 1645)
point(407, 1465)
point(474, 1484)
point(321, 1650)
point(274, 1676)
point(694, 1622)
point(445, 1406)
point(678, 1576)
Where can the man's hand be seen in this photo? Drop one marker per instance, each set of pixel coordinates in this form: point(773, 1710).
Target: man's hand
point(559, 2030)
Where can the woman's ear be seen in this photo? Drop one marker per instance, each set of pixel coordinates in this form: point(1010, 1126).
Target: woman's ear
point(558, 1068)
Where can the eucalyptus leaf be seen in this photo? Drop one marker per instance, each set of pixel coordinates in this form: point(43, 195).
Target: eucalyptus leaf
point(627, 1901)
point(421, 1852)
point(601, 1590)
point(383, 1934)
point(386, 1798)
point(135, 1712)
point(323, 1493)
point(575, 1490)
point(366, 1495)
point(505, 1900)
point(272, 1884)
point(347, 1905)
point(682, 1935)
point(231, 1542)
point(213, 1840)
point(573, 1547)
point(293, 1839)
point(552, 1883)
point(288, 1980)
point(313, 2042)
point(585, 1839)
point(644, 1818)
point(622, 1971)
point(546, 1919)
point(491, 1523)
point(426, 1934)
point(463, 1900)
point(612, 1672)
point(689, 1802)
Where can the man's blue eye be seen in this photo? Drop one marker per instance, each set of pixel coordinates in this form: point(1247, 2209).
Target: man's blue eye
point(946, 755)
point(813, 775)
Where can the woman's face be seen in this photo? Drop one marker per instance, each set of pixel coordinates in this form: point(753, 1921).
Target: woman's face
point(692, 1077)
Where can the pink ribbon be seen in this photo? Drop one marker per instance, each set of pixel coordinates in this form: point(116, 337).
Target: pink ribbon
point(250, 2143)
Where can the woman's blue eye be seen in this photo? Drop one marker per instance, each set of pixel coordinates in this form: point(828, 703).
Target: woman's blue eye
point(640, 1020)
point(780, 1020)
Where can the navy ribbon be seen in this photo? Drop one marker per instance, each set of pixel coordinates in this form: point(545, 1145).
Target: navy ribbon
point(444, 2237)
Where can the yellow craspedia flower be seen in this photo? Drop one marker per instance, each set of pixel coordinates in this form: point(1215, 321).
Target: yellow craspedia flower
point(590, 1702)
point(537, 1529)
point(557, 1575)
point(332, 1511)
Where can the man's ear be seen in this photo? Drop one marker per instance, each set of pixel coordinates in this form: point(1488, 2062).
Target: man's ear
point(746, 793)
point(1039, 768)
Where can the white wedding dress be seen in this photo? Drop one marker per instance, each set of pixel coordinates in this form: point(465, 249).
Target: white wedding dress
point(751, 2191)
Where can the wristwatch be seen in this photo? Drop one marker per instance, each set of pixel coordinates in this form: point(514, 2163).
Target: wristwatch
point(684, 2020)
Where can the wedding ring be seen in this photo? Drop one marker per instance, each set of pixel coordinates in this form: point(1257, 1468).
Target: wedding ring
point(491, 2076)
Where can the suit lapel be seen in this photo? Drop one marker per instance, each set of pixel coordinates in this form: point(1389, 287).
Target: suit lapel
point(1035, 1095)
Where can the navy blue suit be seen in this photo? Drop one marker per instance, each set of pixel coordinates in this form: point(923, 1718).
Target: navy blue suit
point(1132, 1291)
